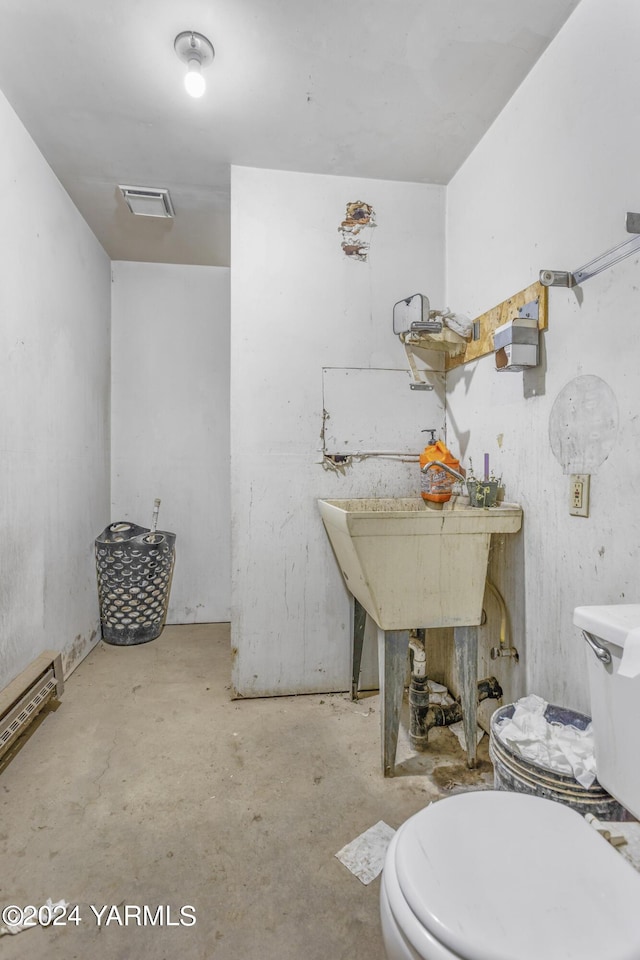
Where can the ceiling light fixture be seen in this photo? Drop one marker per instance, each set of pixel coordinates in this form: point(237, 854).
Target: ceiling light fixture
point(197, 52)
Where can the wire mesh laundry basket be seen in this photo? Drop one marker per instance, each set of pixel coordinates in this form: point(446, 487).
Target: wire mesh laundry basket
point(134, 566)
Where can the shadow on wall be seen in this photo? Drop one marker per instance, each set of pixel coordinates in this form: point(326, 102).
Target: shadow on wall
point(534, 380)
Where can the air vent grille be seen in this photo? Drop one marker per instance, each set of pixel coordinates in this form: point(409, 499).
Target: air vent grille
point(148, 201)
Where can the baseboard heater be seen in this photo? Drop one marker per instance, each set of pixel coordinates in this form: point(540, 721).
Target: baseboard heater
point(24, 698)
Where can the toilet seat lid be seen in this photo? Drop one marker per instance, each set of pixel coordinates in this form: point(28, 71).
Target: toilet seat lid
point(489, 865)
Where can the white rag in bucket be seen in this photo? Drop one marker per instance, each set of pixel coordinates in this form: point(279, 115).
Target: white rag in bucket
point(630, 662)
point(556, 746)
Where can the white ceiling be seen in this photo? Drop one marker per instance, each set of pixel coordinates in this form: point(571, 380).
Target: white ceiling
point(390, 89)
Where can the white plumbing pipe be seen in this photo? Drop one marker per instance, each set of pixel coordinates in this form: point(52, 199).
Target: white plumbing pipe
point(419, 658)
point(503, 650)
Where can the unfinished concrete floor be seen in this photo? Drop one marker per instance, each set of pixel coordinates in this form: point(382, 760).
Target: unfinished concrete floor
point(148, 785)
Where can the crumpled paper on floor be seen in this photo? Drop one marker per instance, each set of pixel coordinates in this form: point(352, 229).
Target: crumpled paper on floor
point(438, 693)
point(559, 747)
point(458, 730)
point(364, 856)
point(14, 928)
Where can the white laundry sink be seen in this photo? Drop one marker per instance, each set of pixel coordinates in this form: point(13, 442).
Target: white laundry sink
point(413, 563)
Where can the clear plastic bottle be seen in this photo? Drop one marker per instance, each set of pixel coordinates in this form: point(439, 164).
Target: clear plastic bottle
point(435, 483)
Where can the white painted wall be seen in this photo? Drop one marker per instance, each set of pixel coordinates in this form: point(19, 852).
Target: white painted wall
point(298, 305)
point(548, 187)
point(54, 398)
point(170, 422)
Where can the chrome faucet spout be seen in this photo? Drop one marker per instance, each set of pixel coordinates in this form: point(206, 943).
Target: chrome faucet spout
point(443, 466)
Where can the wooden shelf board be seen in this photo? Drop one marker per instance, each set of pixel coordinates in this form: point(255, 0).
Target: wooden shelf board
point(498, 315)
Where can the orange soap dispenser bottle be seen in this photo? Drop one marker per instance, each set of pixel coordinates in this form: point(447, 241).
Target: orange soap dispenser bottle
point(435, 483)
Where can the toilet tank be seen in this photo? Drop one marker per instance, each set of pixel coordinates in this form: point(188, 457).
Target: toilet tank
point(612, 635)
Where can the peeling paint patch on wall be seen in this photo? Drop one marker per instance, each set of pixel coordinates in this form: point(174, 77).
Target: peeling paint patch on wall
point(583, 424)
point(359, 216)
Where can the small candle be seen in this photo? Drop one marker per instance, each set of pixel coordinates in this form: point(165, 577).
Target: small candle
point(486, 466)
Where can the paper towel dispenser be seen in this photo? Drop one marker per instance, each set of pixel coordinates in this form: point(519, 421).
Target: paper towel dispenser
point(413, 315)
point(516, 342)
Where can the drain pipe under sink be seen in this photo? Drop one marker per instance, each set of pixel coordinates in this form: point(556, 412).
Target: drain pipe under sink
point(422, 716)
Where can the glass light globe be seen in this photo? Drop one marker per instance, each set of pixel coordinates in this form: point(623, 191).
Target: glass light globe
point(194, 81)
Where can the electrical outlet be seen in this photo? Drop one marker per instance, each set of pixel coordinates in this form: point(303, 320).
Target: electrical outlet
point(579, 495)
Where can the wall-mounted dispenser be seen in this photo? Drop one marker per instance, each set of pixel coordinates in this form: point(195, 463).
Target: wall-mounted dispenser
point(421, 328)
point(413, 315)
point(516, 342)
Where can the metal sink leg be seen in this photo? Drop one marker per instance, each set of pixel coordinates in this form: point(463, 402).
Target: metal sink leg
point(359, 621)
point(466, 646)
point(393, 650)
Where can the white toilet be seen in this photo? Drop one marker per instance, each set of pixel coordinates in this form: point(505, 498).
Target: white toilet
point(491, 875)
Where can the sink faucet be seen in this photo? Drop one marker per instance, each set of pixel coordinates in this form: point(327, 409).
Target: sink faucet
point(443, 466)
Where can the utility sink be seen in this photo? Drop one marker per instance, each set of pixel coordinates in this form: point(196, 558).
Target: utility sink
point(413, 563)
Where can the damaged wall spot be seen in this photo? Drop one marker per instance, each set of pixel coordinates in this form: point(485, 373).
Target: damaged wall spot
point(359, 216)
point(583, 424)
point(368, 410)
point(337, 462)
